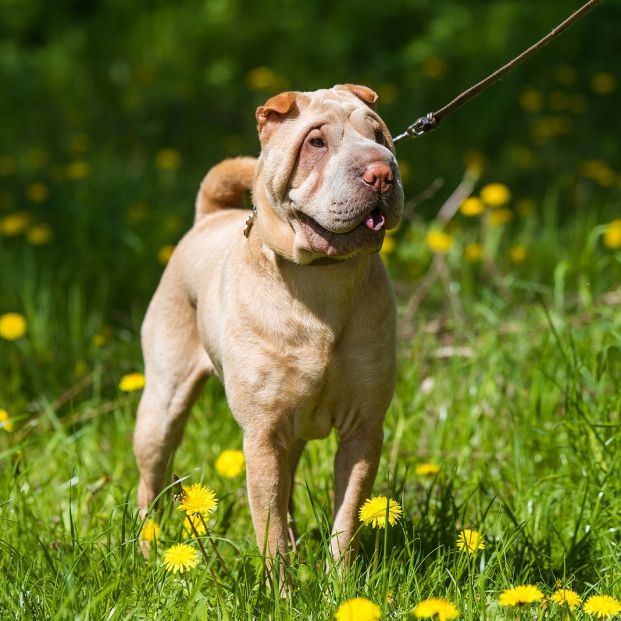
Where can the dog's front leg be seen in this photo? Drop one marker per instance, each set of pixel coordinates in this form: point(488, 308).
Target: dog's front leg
point(355, 467)
point(268, 475)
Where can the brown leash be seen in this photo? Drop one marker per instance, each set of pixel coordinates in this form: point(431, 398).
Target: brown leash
point(432, 120)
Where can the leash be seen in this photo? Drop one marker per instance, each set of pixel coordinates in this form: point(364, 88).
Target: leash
point(431, 120)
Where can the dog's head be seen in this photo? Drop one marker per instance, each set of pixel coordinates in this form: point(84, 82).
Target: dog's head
point(328, 172)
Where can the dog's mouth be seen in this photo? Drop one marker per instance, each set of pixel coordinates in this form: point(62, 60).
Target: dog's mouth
point(367, 236)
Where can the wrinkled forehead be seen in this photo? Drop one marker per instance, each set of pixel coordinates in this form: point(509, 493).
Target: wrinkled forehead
point(338, 107)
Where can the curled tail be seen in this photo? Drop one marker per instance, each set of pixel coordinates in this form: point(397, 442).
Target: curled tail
point(224, 185)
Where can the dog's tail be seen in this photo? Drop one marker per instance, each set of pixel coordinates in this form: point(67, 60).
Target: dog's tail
point(224, 185)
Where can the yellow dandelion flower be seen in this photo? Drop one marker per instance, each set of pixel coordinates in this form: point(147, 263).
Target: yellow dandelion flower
point(230, 464)
point(472, 206)
point(137, 212)
point(602, 606)
point(518, 253)
point(180, 558)
point(597, 170)
point(470, 541)
point(12, 326)
point(603, 83)
point(5, 421)
point(427, 469)
point(520, 595)
point(164, 254)
point(198, 524)
point(198, 498)
point(132, 382)
point(14, 223)
point(405, 170)
point(388, 246)
point(373, 512)
point(262, 79)
point(531, 100)
point(79, 169)
point(358, 609)
point(150, 531)
point(436, 608)
point(37, 192)
point(612, 235)
point(39, 234)
point(439, 241)
point(473, 252)
point(388, 93)
point(566, 597)
point(500, 217)
point(495, 194)
point(168, 159)
point(7, 166)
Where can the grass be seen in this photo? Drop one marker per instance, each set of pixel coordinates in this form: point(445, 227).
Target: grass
point(516, 400)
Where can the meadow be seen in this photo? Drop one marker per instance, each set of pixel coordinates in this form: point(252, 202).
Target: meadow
point(503, 441)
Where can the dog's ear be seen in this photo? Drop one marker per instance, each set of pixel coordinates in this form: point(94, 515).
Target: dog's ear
point(364, 93)
point(274, 109)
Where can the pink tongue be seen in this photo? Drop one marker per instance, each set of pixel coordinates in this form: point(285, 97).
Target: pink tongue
point(375, 220)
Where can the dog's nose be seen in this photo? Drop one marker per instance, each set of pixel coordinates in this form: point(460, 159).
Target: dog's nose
point(379, 176)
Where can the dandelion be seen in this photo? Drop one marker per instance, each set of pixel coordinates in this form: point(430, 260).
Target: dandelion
point(531, 100)
point(230, 464)
point(566, 597)
point(198, 524)
point(137, 212)
point(520, 595)
point(427, 469)
point(37, 192)
point(132, 382)
point(358, 609)
point(79, 169)
point(14, 223)
point(603, 83)
point(500, 217)
point(39, 234)
point(470, 541)
point(198, 499)
point(473, 252)
point(439, 241)
point(518, 253)
point(472, 206)
point(495, 194)
point(164, 254)
point(612, 235)
point(180, 558)
point(150, 531)
point(5, 421)
point(168, 159)
point(405, 170)
point(373, 512)
point(565, 75)
point(436, 608)
point(597, 170)
point(262, 79)
point(12, 326)
point(602, 606)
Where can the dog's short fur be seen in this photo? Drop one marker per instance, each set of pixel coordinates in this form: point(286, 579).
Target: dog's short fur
point(297, 319)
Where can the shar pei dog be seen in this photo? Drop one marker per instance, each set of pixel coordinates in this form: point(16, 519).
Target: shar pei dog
point(292, 310)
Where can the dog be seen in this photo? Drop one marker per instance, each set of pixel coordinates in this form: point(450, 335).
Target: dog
point(293, 312)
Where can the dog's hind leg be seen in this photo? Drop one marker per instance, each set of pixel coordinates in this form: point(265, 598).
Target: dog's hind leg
point(176, 366)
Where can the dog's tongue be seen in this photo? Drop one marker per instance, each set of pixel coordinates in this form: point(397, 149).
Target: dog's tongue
point(375, 220)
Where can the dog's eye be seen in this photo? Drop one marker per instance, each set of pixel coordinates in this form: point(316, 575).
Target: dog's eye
point(317, 142)
point(379, 137)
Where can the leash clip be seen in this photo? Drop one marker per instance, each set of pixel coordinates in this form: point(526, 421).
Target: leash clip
point(421, 126)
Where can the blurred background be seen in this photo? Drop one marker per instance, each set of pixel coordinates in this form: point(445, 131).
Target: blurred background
point(111, 112)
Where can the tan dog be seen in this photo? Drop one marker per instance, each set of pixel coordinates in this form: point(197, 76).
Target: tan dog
point(297, 319)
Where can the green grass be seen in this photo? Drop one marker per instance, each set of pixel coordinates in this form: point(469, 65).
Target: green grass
point(519, 407)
